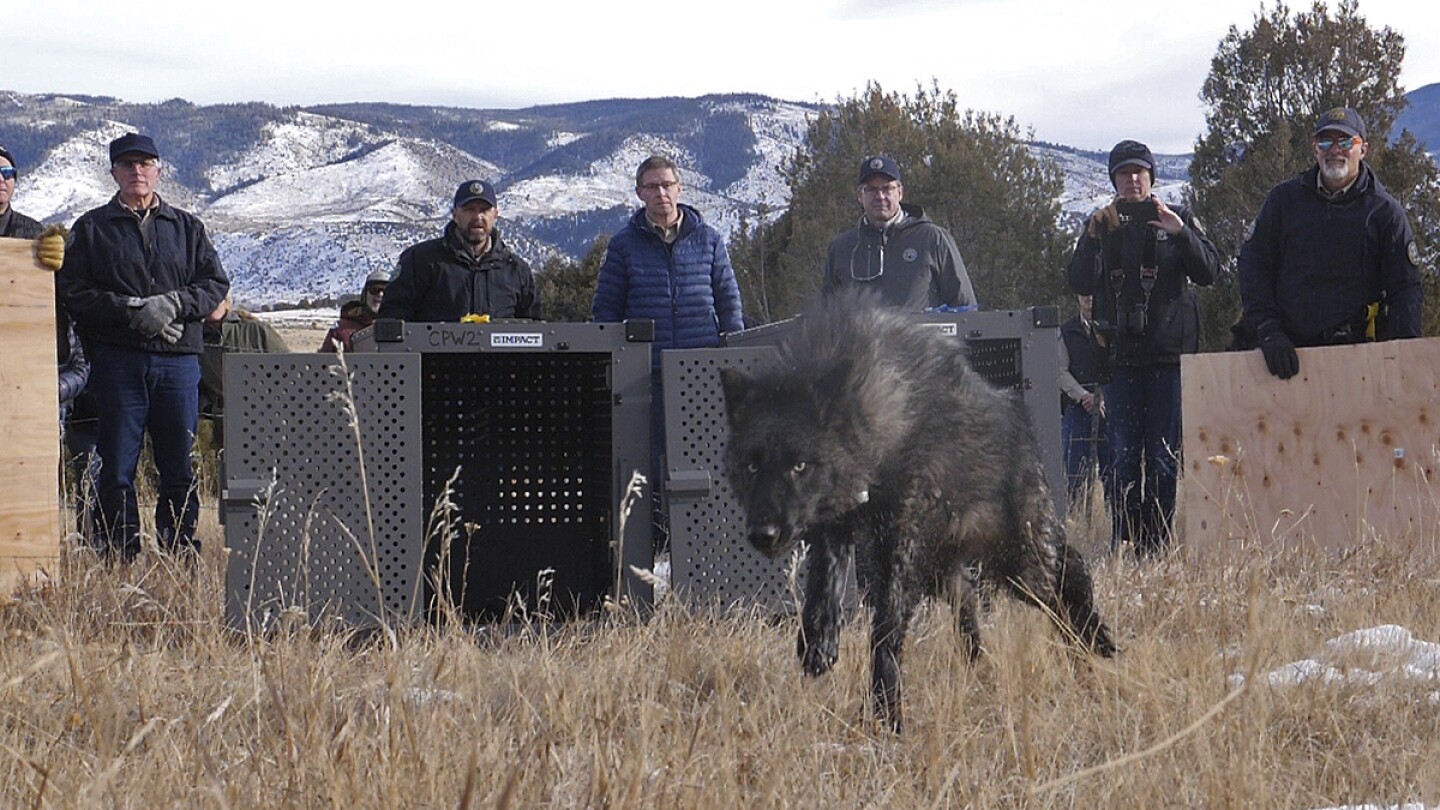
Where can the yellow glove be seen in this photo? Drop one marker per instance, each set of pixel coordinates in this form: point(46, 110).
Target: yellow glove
point(1103, 221)
point(50, 246)
point(473, 318)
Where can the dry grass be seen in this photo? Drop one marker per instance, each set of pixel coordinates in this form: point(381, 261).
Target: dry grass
point(124, 688)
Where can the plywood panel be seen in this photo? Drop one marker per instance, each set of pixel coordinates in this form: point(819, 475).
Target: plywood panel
point(1343, 454)
point(29, 418)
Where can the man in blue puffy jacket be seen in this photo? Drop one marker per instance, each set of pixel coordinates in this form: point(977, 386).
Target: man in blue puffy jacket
point(667, 265)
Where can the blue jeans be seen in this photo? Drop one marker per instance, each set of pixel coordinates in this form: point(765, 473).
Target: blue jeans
point(138, 391)
point(1087, 445)
point(1143, 406)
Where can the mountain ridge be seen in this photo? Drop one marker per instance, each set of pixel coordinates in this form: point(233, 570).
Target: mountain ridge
point(303, 202)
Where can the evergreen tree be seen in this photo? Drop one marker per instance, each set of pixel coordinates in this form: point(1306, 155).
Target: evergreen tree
point(971, 172)
point(567, 288)
point(1267, 87)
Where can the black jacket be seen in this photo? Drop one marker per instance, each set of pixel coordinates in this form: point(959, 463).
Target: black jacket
point(439, 281)
point(1312, 265)
point(19, 226)
point(1171, 325)
point(107, 262)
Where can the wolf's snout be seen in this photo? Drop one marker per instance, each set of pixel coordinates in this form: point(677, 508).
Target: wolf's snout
point(765, 537)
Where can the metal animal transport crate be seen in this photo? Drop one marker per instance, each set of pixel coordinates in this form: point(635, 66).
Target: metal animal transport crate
point(712, 564)
point(479, 466)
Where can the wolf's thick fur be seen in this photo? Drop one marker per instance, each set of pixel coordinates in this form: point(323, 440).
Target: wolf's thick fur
point(873, 433)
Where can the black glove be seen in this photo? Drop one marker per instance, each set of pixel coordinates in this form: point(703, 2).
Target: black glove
point(151, 314)
point(1279, 351)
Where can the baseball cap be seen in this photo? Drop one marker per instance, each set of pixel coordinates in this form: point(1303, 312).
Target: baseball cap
point(376, 277)
point(1131, 153)
point(133, 142)
point(1342, 119)
point(879, 164)
point(474, 190)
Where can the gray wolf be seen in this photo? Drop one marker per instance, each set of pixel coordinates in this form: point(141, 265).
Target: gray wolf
point(871, 434)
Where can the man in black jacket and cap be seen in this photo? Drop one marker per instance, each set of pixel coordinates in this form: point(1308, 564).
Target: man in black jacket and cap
point(1331, 258)
point(139, 277)
point(469, 270)
point(1138, 257)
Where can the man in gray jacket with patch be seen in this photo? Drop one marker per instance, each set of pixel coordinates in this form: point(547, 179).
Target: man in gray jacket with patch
point(897, 251)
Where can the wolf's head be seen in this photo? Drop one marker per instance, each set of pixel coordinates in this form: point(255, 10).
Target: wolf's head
point(805, 445)
point(784, 467)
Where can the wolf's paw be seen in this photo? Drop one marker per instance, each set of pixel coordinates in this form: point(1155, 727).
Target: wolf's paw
point(818, 659)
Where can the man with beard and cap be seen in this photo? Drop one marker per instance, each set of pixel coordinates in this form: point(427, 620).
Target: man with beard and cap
point(895, 249)
point(1330, 258)
point(1137, 258)
point(139, 277)
point(358, 314)
point(468, 270)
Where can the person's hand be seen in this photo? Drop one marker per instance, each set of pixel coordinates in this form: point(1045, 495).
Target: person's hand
point(152, 313)
point(50, 247)
point(1088, 402)
point(1279, 351)
point(172, 332)
point(1103, 221)
point(1169, 221)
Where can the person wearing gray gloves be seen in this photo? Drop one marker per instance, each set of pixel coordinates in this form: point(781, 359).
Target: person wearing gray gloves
point(139, 277)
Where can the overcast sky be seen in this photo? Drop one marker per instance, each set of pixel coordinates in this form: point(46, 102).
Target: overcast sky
point(1074, 73)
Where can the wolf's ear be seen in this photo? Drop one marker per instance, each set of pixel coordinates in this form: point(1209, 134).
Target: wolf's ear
point(738, 386)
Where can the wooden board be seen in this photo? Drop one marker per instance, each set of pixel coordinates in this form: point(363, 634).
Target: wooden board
point(29, 418)
point(1343, 454)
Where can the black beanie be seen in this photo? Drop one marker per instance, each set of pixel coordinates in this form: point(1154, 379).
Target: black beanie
point(1131, 153)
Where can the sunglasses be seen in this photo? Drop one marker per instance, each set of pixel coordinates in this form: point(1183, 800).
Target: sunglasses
point(7, 172)
point(1344, 142)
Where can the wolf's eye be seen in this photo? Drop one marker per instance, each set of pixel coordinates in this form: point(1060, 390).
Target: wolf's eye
point(752, 468)
point(798, 468)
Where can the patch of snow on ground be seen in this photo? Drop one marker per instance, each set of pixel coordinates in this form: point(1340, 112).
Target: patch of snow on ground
point(1363, 658)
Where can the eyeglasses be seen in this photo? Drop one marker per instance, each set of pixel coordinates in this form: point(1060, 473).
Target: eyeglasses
point(668, 186)
point(127, 164)
point(1344, 142)
point(887, 190)
point(874, 259)
point(7, 172)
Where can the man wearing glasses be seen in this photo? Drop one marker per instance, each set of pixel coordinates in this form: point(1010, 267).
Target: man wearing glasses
point(138, 278)
point(667, 265)
point(1330, 258)
point(13, 223)
point(895, 249)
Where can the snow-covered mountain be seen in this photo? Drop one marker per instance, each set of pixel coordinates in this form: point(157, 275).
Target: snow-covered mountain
point(303, 203)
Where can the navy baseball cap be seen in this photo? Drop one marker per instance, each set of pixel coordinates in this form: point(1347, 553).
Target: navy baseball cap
point(474, 190)
point(1342, 119)
point(879, 164)
point(133, 142)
